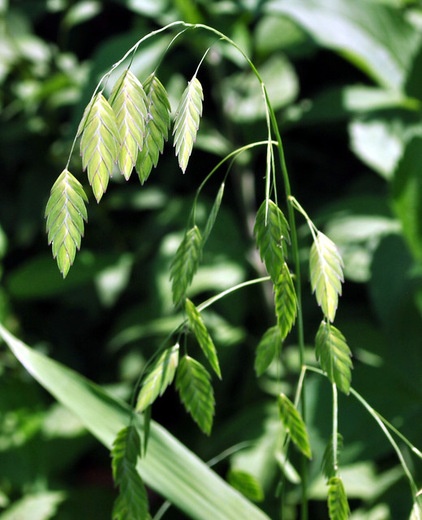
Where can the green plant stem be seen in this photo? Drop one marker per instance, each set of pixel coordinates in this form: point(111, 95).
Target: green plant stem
point(335, 427)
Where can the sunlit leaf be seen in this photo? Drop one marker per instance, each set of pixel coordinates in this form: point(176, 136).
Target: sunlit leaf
point(66, 213)
point(330, 457)
point(132, 501)
point(268, 348)
point(128, 101)
point(272, 236)
point(201, 333)
point(326, 270)
point(186, 123)
point(196, 393)
point(99, 144)
point(338, 507)
point(156, 126)
point(247, 484)
point(294, 424)
point(285, 302)
point(334, 355)
point(159, 378)
point(185, 263)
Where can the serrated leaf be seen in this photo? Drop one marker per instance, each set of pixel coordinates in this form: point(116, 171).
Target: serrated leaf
point(272, 236)
point(202, 336)
point(338, 507)
point(128, 101)
point(157, 125)
point(334, 355)
point(186, 122)
point(132, 501)
point(196, 393)
point(99, 144)
point(268, 348)
point(326, 270)
point(247, 484)
point(214, 212)
point(294, 424)
point(65, 213)
point(285, 302)
point(185, 263)
point(331, 456)
point(159, 378)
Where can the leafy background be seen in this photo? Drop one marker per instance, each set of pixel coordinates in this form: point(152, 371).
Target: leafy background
point(344, 78)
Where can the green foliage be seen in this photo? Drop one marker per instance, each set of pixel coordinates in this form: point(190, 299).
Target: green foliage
point(331, 455)
point(99, 143)
point(294, 424)
point(185, 263)
point(66, 213)
point(196, 393)
point(128, 101)
point(159, 378)
point(186, 122)
point(156, 126)
point(246, 484)
point(338, 507)
point(269, 347)
point(334, 355)
point(272, 236)
point(326, 269)
point(202, 335)
point(285, 302)
point(132, 501)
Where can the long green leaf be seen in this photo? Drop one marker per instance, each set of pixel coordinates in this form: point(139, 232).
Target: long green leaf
point(168, 466)
point(196, 393)
point(285, 302)
point(128, 101)
point(214, 212)
point(159, 378)
point(132, 501)
point(268, 348)
point(272, 236)
point(294, 424)
point(157, 126)
point(99, 144)
point(185, 263)
point(338, 507)
point(201, 333)
point(66, 213)
point(334, 355)
point(375, 38)
point(247, 484)
point(186, 123)
point(326, 270)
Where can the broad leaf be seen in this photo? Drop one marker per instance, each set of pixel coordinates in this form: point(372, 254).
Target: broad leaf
point(331, 456)
point(185, 263)
point(99, 144)
point(201, 333)
point(375, 38)
point(268, 348)
point(247, 484)
point(159, 378)
point(66, 213)
point(128, 101)
point(326, 270)
point(272, 236)
point(294, 424)
point(156, 126)
point(214, 212)
point(338, 507)
point(334, 356)
point(186, 123)
point(168, 467)
point(132, 501)
point(285, 302)
point(196, 393)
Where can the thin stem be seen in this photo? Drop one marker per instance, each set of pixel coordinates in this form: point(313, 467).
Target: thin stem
point(335, 427)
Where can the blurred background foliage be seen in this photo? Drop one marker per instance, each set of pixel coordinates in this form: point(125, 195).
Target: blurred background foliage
point(345, 80)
